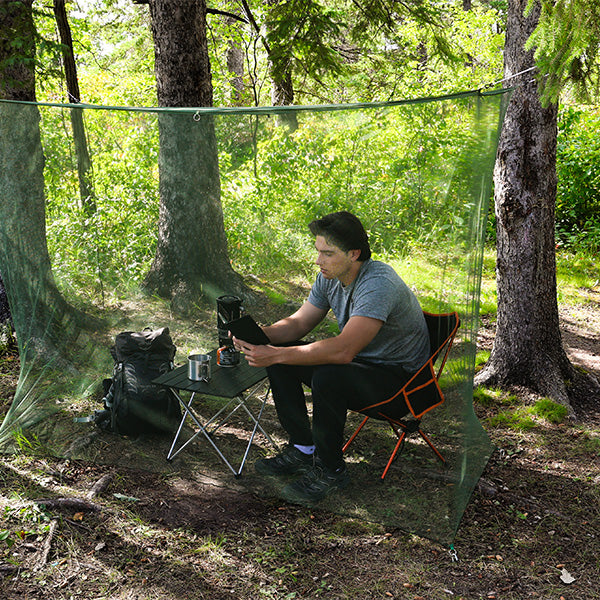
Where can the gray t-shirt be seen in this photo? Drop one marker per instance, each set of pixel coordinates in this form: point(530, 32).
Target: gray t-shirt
point(379, 293)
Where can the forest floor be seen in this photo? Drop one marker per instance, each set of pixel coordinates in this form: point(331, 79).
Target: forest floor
point(531, 529)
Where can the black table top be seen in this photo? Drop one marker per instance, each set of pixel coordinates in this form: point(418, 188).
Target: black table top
point(225, 382)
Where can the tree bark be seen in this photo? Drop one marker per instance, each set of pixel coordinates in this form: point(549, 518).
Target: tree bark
point(17, 51)
point(282, 86)
point(40, 314)
point(191, 257)
point(235, 66)
point(4, 307)
point(528, 349)
point(84, 163)
point(24, 259)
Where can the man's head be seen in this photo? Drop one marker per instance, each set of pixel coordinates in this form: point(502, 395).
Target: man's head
point(344, 230)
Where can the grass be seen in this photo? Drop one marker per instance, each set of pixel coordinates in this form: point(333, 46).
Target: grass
point(576, 274)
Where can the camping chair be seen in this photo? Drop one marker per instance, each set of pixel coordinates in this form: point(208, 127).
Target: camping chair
point(421, 393)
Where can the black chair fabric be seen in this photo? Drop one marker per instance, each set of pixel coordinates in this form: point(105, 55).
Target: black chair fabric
point(422, 392)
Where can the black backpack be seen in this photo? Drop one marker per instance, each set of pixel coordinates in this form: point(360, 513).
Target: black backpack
point(132, 403)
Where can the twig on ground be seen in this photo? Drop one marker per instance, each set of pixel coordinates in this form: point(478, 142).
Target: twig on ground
point(43, 559)
point(99, 486)
point(70, 503)
point(7, 569)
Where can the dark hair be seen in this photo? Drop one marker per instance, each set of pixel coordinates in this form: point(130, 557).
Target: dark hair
point(344, 230)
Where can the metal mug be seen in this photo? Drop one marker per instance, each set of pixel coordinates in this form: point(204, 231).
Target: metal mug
point(199, 367)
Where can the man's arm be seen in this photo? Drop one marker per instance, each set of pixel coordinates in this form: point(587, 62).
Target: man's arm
point(297, 325)
point(341, 349)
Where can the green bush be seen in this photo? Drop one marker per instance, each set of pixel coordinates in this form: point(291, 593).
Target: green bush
point(578, 169)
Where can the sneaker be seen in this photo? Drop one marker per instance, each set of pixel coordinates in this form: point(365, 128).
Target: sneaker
point(315, 485)
point(289, 462)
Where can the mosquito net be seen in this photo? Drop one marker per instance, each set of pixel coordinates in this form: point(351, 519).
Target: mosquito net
point(146, 216)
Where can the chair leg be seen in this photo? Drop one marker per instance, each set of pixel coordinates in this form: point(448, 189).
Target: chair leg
point(432, 446)
point(345, 446)
point(393, 456)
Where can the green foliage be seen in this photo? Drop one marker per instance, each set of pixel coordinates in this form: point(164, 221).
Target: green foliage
point(576, 272)
point(384, 165)
point(490, 397)
point(550, 411)
point(480, 359)
point(341, 51)
point(484, 397)
point(300, 36)
point(115, 244)
point(510, 419)
point(567, 47)
point(7, 339)
point(5, 536)
point(30, 446)
point(578, 169)
point(517, 417)
point(408, 60)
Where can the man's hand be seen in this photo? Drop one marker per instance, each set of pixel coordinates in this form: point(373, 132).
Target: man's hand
point(257, 356)
point(340, 349)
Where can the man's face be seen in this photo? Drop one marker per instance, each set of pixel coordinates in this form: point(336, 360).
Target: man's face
point(334, 262)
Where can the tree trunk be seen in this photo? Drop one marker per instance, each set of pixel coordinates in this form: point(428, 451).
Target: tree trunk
point(17, 50)
point(235, 66)
point(191, 257)
point(528, 348)
point(282, 87)
point(39, 312)
point(84, 163)
point(24, 259)
point(4, 308)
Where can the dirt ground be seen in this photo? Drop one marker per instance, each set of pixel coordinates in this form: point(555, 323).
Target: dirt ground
point(531, 529)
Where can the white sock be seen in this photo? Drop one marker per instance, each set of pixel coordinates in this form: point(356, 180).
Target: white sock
point(305, 449)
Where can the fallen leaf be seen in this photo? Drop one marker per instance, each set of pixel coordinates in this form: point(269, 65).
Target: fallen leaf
point(566, 577)
point(78, 516)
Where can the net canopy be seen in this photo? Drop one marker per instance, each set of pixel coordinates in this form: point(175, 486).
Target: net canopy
point(151, 214)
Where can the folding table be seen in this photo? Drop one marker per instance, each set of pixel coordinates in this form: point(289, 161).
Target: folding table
point(235, 385)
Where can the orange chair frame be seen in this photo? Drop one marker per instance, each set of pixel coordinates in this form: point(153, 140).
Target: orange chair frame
point(422, 391)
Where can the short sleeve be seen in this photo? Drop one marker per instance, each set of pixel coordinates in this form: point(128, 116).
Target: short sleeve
point(318, 294)
point(376, 302)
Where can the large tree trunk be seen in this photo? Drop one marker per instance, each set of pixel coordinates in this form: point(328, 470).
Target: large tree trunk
point(528, 348)
point(191, 257)
point(40, 314)
point(24, 260)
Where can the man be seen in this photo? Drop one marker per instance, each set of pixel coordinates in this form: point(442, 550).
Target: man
point(383, 340)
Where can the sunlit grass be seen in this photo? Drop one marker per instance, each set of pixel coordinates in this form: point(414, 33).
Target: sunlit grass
point(576, 274)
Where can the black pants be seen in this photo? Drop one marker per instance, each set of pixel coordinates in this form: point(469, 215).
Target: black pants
point(335, 390)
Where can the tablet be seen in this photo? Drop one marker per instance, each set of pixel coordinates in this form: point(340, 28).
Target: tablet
point(247, 329)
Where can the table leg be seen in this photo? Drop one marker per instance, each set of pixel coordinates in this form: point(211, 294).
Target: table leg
point(241, 402)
